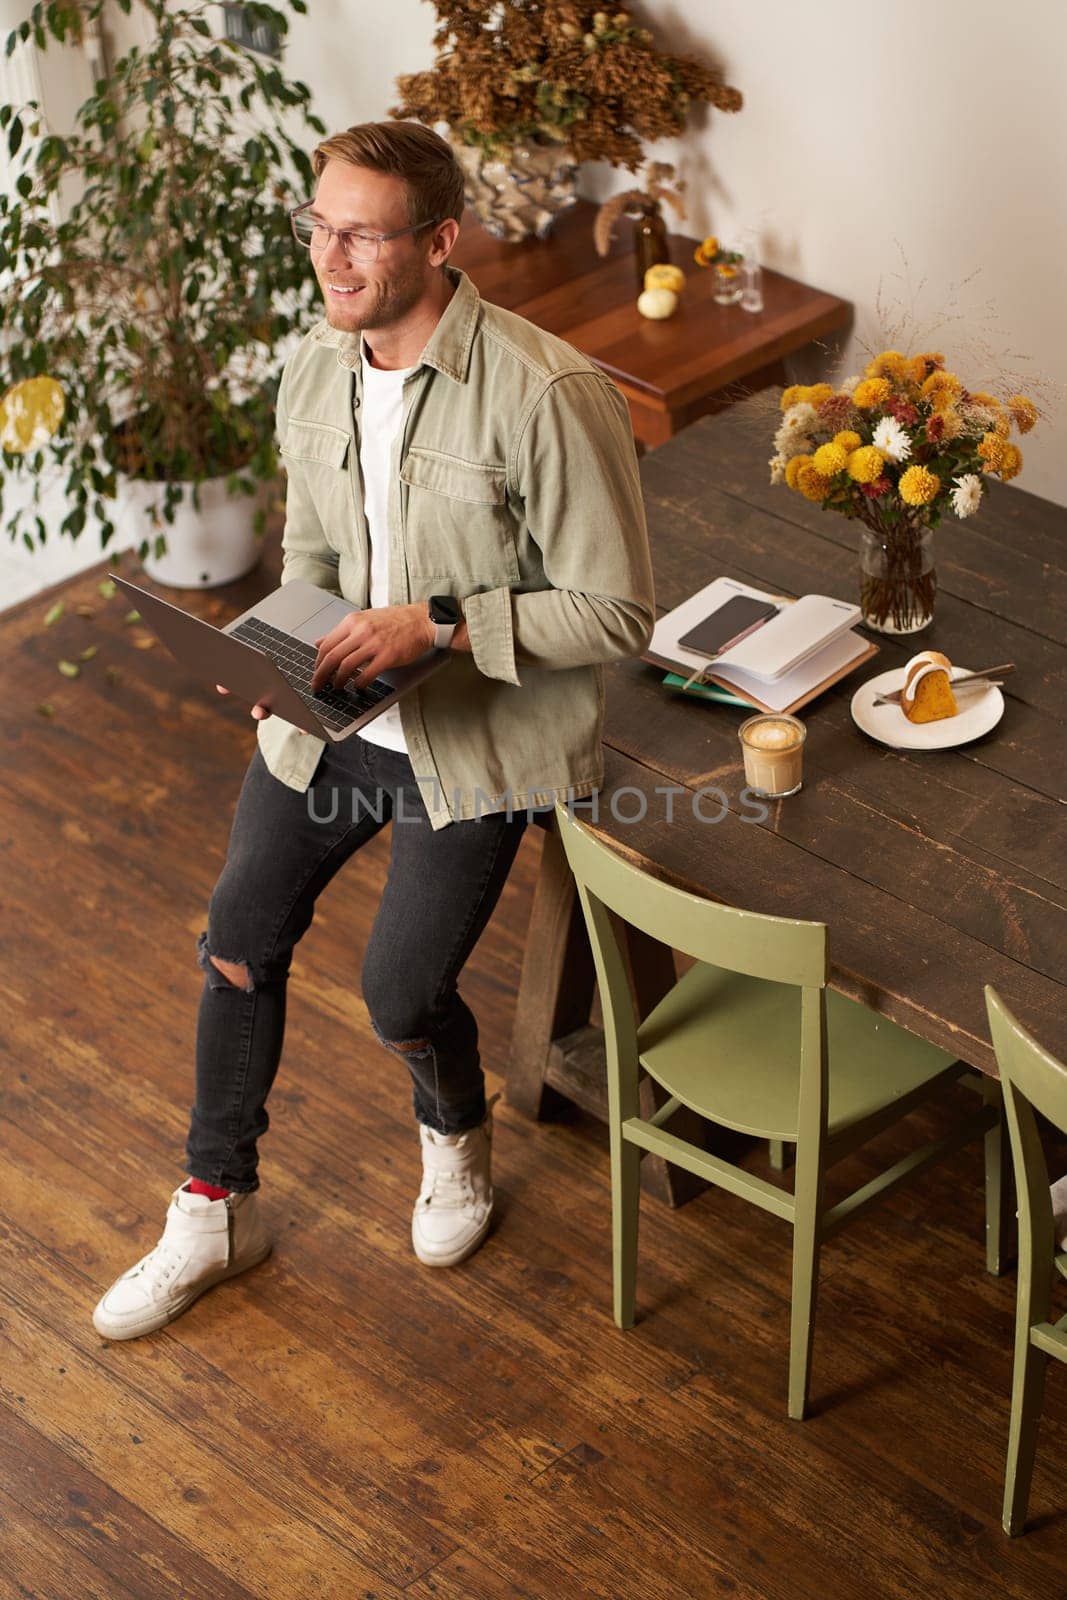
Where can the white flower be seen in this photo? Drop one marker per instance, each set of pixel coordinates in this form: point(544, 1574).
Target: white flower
point(891, 439)
point(850, 383)
point(967, 495)
point(777, 466)
point(792, 436)
point(793, 444)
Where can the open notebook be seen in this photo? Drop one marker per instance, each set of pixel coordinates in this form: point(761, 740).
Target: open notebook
point(785, 663)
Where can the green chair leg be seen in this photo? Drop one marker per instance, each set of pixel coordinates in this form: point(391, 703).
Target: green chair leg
point(807, 1239)
point(1000, 1227)
point(625, 1211)
point(1028, 1388)
point(781, 1154)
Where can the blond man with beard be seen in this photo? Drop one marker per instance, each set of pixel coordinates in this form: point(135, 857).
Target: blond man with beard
point(468, 481)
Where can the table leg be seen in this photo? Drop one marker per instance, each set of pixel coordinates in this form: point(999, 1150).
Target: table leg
point(555, 1051)
point(557, 981)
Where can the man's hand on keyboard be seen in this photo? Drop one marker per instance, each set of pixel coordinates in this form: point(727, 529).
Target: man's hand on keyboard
point(368, 642)
point(258, 711)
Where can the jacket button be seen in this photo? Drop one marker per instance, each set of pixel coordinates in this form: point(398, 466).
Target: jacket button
point(355, 403)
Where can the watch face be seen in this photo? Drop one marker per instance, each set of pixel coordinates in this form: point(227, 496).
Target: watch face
point(445, 609)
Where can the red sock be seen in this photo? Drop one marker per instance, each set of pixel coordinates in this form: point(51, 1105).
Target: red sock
point(198, 1186)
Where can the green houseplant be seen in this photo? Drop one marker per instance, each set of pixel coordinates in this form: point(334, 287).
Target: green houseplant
point(157, 305)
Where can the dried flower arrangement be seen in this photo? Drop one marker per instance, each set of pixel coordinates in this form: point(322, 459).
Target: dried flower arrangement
point(511, 71)
point(660, 186)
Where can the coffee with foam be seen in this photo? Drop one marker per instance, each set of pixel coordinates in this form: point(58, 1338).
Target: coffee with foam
point(773, 748)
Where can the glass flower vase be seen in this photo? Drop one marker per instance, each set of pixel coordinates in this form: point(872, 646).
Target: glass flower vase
point(728, 283)
point(898, 580)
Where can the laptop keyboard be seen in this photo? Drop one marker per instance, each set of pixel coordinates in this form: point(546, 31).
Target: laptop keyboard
point(296, 661)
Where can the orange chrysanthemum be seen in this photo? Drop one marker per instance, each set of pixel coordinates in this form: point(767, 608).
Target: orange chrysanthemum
point(830, 459)
point(865, 464)
point(921, 366)
point(871, 392)
point(1010, 462)
point(918, 486)
point(890, 364)
point(1023, 412)
point(991, 448)
point(793, 395)
point(941, 389)
point(811, 483)
point(793, 466)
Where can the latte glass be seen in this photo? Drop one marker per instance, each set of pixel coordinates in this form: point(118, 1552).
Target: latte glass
point(773, 748)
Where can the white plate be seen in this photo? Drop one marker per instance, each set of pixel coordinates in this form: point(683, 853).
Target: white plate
point(980, 710)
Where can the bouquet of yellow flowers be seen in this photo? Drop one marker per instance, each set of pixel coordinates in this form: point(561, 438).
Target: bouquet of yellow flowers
point(710, 253)
point(895, 449)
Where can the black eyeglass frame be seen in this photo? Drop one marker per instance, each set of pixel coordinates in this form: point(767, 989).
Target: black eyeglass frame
point(343, 233)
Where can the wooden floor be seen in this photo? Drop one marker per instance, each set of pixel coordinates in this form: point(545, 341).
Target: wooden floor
point(342, 1423)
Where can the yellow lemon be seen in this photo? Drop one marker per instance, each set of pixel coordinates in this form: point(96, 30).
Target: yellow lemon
point(30, 413)
point(664, 276)
point(657, 303)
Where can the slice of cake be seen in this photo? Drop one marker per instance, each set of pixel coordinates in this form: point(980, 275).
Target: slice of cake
point(927, 693)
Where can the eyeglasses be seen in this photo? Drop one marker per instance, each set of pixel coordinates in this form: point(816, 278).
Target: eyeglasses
point(315, 235)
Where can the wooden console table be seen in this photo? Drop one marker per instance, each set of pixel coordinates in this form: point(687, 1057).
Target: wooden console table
point(671, 372)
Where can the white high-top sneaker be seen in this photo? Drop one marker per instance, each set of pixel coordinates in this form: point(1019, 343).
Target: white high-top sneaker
point(203, 1242)
point(455, 1204)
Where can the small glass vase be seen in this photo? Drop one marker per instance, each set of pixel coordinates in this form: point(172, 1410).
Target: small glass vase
point(898, 580)
point(728, 283)
point(519, 193)
point(651, 245)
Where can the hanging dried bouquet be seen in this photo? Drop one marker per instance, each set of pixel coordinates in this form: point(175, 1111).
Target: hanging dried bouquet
point(550, 70)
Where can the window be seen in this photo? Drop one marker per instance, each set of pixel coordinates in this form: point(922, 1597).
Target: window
point(259, 36)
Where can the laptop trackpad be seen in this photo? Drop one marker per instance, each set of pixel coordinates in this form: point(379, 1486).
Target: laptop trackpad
point(322, 620)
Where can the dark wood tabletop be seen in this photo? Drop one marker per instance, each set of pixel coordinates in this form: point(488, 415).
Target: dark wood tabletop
point(673, 371)
point(936, 872)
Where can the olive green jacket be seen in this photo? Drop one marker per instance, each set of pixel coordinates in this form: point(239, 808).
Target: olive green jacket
point(514, 488)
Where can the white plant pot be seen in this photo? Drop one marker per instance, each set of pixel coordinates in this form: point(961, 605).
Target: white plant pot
point(205, 548)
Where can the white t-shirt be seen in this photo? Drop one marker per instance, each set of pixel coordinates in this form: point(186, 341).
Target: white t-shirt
point(382, 414)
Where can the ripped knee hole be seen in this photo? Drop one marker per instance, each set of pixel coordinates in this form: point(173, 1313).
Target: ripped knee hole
point(235, 972)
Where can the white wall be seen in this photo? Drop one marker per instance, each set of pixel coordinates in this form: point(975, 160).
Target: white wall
point(914, 152)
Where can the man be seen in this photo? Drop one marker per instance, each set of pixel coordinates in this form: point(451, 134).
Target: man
point(438, 450)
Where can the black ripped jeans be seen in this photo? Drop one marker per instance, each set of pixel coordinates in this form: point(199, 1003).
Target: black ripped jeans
point(284, 849)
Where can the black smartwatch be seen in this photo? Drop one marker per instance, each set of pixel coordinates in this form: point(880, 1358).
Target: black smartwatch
point(446, 616)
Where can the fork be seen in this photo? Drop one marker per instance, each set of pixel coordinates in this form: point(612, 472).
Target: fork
point(892, 698)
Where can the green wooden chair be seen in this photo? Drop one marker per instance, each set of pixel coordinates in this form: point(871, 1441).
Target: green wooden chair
point(1032, 1080)
point(751, 1038)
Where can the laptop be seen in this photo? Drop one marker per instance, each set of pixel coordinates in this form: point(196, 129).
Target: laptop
point(266, 656)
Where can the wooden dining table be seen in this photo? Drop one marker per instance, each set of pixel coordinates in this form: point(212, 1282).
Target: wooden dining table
point(936, 872)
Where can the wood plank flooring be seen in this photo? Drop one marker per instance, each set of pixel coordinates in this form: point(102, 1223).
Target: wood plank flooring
point(342, 1423)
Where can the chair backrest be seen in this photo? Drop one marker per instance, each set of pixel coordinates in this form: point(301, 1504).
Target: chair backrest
point(1031, 1080)
point(753, 943)
point(1025, 1064)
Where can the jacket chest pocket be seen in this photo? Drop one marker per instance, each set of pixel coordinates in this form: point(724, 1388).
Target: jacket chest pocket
point(458, 524)
point(316, 454)
point(320, 443)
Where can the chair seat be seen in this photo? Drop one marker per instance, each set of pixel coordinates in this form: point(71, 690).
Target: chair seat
point(729, 1047)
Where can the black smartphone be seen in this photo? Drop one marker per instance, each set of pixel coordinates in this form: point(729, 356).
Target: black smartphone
point(728, 624)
